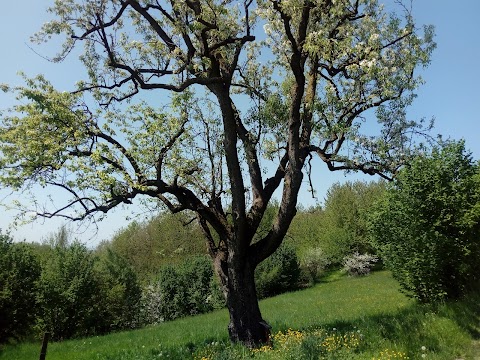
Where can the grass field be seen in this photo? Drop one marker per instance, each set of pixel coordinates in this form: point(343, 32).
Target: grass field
point(344, 318)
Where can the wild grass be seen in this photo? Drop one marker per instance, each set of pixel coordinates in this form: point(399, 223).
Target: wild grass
point(344, 318)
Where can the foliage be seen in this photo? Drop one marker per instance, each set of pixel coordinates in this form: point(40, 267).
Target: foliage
point(120, 293)
point(341, 227)
point(345, 218)
point(163, 239)
point(427, 226)
point(181, 290)
point(68, 293)
point(279, 273)
point(313, 262)
point(63, 288)
point(186, 288)
point(306, 229)
point(359, 264)
point(80, 293)
point(19, 272)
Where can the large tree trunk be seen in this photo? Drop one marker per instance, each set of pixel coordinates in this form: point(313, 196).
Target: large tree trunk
point(238, 284)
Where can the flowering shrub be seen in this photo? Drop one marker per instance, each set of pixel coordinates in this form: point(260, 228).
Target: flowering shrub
point(359, 264)
point(151, 305)
point(313, 262)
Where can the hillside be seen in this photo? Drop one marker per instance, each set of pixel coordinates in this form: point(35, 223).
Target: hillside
point(387, 324)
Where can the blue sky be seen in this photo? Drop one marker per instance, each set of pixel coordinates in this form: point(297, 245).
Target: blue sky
point(451, 93)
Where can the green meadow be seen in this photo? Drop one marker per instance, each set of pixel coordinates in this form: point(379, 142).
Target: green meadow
point(340, 318)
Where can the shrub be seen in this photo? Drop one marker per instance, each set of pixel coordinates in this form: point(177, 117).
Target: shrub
point(359, 264)
point(339, 228)
point(165, 238)
point(215, 298)
point(313, 262)
point(19, 271)
point(151, 305)
point(185, 289)
point(120, 293)
point(69, 294)
point(278, 273)
point(197, 275)
point(427, 228)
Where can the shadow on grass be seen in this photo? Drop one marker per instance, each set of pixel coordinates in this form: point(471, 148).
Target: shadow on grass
point(445, 331)
point(466, 313)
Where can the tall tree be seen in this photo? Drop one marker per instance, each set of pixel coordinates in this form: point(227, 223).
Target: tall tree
point(240, 111)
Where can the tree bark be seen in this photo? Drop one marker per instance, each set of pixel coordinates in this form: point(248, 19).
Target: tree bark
point(238, 284)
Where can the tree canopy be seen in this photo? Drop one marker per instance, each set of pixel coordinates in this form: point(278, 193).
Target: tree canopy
point(247, 92)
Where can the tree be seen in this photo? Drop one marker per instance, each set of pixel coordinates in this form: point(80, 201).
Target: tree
point(68, 291)
point(231, 125)
point(428, 225)
point(19, 271)
point(163, 239)
point(120, 293)
point(345, 218)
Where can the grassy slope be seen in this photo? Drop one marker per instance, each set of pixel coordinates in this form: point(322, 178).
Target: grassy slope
point(387, 319)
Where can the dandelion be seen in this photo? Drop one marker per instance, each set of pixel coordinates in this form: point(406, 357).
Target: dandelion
point(391, 354)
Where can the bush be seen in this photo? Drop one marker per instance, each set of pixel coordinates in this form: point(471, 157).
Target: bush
point(345, 220)
point(427, 228)
point(120, 293)
point(185, 289)
point(278, 273)
point(69, 294)
point(359, 264)
point(19, 271)
point(151, 305)
point(313, 262)
point(165, 238)
point(215, 298)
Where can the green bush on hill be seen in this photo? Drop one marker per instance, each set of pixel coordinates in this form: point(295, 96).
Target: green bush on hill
point(164, 239)
point(121, 293)
point(64, 288)
point(340, 228)
point(181, 290)
point(68, 294)
point(278, 273)
point(427, 227)
point(19, 271)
